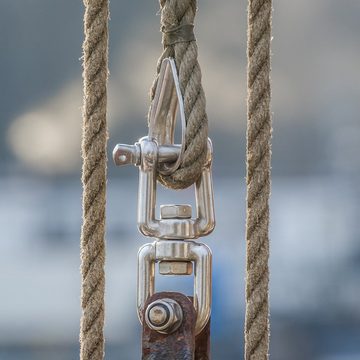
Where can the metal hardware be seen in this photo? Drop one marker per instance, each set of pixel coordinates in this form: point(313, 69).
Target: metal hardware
point(202, 344)
point(181, 344)
point(175, 254)
point(175, 211)
point(131, 154)
point(178, 345)
point(167, 100)
point(164, 316)
point(163, 112)
point(146, 153)
point(201, 225)
point(157, 152)
point(163, 250)
point(175, 267)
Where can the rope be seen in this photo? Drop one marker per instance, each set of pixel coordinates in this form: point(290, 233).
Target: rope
point(258, 180)
point(95, 64)
point(175, 15)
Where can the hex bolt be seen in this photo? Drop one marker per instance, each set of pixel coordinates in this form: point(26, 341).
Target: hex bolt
point(164, 316)
point(175, 211)
point(175, 267)
point(158, 315)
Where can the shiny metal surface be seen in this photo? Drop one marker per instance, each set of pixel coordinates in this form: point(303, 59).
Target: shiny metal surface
point(163, 250)
point(173, 228)
point(175, 211)
point(156, 315)
point(147, 154)
point(167, 100)
point(178, 345)
point(164, 316)
point(175, 267)
point(174, 253)
point(163, 113)
point(124, 154)
point(158, 153)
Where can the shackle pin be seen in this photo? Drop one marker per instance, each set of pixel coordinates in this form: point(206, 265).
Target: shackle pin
point(124, 154)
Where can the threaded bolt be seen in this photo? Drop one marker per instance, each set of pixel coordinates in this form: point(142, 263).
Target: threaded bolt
point(164, 316)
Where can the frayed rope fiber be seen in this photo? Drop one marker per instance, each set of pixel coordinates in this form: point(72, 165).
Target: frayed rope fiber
point(259, 131)
point(177, 19)
point(94, 142)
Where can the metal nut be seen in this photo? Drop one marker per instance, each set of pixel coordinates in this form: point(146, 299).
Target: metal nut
point(175, 267)
point(164, 316)
point(175, 211)
point(158, 315)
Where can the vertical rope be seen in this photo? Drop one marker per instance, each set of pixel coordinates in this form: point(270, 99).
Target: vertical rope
point(180, 14)
point(258, 180)
point(95, 65)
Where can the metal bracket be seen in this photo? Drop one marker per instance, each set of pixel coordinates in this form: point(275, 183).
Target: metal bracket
point(180, 344)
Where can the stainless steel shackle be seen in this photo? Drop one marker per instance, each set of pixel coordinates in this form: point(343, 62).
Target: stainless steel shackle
point(158, 153)
point(180, 251)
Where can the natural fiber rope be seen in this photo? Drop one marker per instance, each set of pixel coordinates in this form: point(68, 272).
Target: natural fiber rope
point(175, 13)
point(258, 180)
point(95, 64)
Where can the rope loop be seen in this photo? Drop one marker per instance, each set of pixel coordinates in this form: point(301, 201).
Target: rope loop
point(177, 19)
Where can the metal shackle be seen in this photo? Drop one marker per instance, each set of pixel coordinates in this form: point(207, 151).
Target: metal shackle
point(154, 154)
point(145, 154)
point(163, 111)
point(158, 153)
point(167, 100)
point(177, 251)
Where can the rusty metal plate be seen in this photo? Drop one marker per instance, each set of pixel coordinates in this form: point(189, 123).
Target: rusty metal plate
point(179, 345)
point(202, 344)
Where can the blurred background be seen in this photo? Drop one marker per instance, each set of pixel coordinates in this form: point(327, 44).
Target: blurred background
point(315, 247)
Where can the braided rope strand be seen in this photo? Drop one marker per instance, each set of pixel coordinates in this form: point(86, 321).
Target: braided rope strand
point(259, 130)
point(95, 74)
point(175, 13)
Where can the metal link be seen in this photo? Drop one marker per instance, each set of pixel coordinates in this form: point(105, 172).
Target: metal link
point(163, 250)
point(175, 227)
point(174, 253)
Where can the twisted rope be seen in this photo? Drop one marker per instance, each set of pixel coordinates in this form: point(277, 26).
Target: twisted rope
point(95, 65)
point(177, 14)
point(258, 180)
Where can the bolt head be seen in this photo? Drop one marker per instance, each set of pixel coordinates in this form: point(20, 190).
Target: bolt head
point(158, 315)
point(175, 267)
point(175, 211)
point(164, 316)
